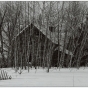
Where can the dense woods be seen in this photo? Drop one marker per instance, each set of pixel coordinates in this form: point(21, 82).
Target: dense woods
point(43, 34)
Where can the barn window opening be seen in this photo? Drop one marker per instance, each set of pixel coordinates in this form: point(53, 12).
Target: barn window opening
point(52, 29)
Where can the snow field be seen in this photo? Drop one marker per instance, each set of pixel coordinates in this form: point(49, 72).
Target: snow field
point(40, 78)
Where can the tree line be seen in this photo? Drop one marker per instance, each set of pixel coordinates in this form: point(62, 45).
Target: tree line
point(65, 17)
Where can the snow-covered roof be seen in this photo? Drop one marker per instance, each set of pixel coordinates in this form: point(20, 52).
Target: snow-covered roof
point(53, 36)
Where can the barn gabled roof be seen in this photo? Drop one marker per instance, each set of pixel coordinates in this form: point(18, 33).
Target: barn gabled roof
point(53, 36)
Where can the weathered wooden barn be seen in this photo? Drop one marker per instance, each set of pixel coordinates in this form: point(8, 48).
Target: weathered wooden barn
point(37, 45)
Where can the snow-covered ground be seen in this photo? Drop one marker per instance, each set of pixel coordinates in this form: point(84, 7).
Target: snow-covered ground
point(39, 78)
